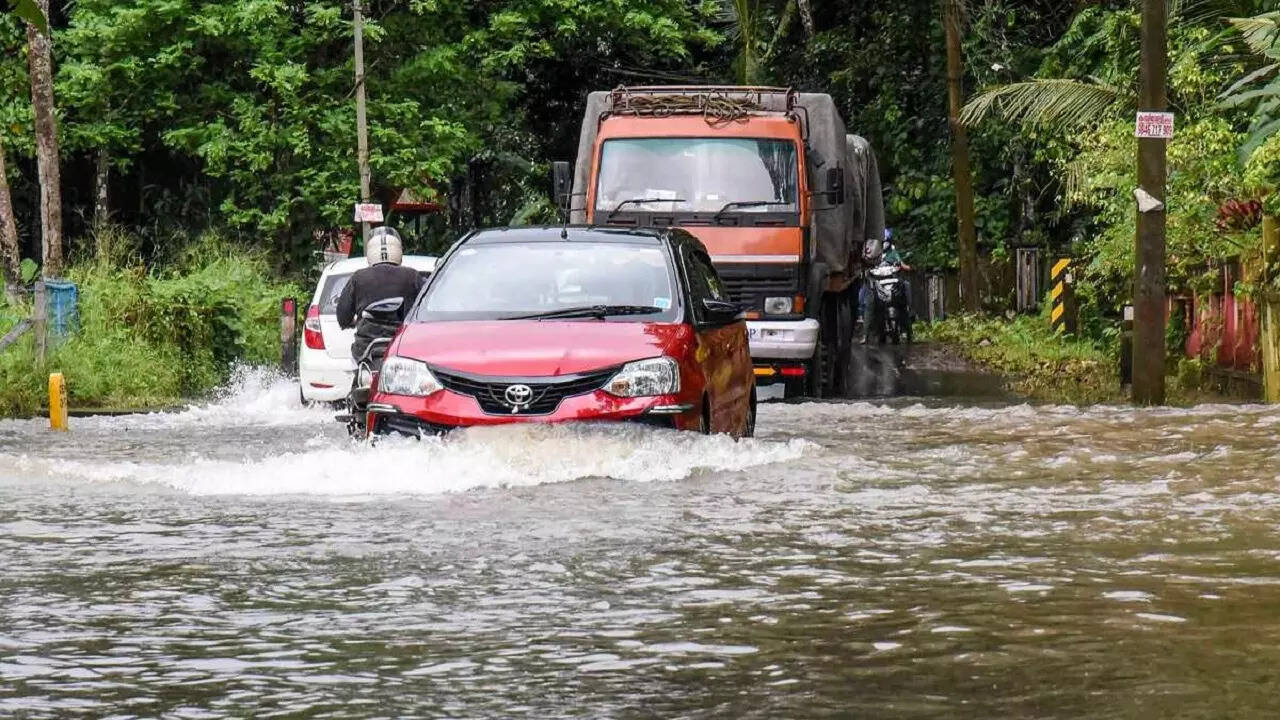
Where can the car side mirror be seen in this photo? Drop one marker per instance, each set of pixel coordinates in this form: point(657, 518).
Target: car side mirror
point(719, 312)
point(561, 184)
point(835, 185)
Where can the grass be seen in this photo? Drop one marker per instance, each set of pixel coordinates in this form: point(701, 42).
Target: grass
point(150, 336)
point(1045, 366)
point(1040, 364)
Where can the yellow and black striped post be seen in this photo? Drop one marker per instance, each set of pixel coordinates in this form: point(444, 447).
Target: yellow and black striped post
point(1062, 317)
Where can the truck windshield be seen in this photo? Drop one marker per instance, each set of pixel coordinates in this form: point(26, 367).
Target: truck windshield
point(698, 175)
point(508, 280)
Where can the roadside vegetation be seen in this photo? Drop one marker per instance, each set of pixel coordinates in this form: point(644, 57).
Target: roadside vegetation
point(1039, 364)
point(151, 337)
point(1048, 367)
point(179, 120)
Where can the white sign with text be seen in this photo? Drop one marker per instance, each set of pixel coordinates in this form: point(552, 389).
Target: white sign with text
point(1154, 125)
point(368, 212)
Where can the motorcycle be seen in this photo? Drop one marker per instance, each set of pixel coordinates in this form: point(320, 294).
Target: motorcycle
point(379, 322)
point(890, 312)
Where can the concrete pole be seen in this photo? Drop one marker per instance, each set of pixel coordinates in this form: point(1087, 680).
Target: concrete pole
point(1149, 269)
point(362, 126)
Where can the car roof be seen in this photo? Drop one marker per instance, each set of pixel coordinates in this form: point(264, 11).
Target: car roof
point(569, 233)
point(421, 263)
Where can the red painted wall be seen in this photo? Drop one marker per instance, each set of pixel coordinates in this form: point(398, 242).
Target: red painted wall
point(1226, 320)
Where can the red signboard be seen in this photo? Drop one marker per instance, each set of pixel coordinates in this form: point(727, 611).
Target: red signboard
point(1154, 125)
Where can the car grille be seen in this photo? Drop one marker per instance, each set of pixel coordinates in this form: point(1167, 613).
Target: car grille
point(490, 391)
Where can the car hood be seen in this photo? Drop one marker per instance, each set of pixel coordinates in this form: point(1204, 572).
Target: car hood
point(526, 348)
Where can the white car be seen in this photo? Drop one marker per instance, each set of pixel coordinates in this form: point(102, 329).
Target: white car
point(325, 365)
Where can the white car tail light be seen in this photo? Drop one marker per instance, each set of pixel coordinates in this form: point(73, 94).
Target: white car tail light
point(311, 329)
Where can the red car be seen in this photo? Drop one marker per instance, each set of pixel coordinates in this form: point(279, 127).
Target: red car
point(552, 324)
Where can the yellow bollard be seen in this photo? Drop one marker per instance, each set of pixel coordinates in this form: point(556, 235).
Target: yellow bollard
point(57, 402)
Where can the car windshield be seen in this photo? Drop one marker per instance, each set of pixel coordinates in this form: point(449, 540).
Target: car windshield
point(697, 175)
point(507, 280)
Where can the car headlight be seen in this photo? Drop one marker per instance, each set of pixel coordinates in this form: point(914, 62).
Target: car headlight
point(777, 306)
point(402, 376)
point(644, 378)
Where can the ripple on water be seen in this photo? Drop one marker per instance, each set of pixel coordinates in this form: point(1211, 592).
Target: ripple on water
point(868, 559)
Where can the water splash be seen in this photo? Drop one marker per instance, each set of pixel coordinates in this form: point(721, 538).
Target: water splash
point(252, 396)
point(505, 456)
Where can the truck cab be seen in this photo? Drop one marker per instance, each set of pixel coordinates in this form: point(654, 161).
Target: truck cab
point(758, 176)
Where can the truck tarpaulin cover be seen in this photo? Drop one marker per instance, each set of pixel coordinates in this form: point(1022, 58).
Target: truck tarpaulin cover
point(839, 232)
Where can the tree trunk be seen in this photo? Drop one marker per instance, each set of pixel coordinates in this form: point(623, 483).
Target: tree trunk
point(40, 60)
point(965, 230)
point(9, 253)
point(806, 17)
point(102, 174)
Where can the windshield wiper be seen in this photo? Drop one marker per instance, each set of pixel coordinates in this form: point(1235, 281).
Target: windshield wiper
point(742, 204)
point(636, 201)
point(595, 311)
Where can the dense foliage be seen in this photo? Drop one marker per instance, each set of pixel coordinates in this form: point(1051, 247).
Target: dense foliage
point(151, 337)
point(238, 115)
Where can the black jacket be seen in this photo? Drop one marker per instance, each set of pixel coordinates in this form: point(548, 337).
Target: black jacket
point(367, 286)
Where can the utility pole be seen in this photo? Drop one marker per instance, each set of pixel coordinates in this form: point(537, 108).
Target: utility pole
point(1149, 268)
point(966, 233)
point(362, 127)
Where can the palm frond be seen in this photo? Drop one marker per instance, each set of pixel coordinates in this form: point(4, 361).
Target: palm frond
point(1048, 102)
point(1255, 75)
point(1260, 32)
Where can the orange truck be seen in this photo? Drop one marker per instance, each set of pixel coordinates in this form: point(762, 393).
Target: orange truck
point(787, 203)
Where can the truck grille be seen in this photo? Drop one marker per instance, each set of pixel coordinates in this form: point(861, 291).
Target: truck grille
point(751, 284)
point(491, 392)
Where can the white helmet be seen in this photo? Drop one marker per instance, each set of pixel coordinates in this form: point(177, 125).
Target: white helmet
point(383, 246)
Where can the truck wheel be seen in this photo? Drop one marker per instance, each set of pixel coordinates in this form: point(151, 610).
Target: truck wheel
point(843, 364)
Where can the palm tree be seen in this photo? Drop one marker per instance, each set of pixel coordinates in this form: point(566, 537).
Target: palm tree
point(745, 21)
point(1261, 87)
point(1073, 103)
point(953, 13)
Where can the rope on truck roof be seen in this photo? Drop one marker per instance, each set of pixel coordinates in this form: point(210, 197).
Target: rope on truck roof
point(718, 108)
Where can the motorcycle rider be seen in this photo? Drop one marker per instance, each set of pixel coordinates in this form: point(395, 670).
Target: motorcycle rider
point(384, 278)
point(889, 255)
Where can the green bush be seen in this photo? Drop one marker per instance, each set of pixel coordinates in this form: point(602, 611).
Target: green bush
point(1040, 364)
point(152, 336)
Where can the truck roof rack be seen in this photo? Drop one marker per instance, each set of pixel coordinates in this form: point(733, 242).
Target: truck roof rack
point(721, 102)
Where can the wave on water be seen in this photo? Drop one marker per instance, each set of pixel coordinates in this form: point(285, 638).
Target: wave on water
point(486, 457)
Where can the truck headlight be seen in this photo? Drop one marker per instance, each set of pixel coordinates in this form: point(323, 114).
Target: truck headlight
point(777, 306)
point(402, 376)
point(644, 378)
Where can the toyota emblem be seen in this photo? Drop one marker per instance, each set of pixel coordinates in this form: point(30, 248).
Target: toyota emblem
point(518, 395)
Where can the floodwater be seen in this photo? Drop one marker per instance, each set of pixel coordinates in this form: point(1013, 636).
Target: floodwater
point(888, 559)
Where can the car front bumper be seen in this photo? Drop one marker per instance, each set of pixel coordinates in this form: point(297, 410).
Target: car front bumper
point(446, 410)
point(783, 339)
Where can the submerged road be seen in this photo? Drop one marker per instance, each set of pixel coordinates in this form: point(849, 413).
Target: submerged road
point(887, 559)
